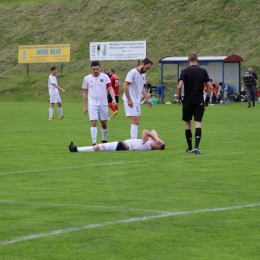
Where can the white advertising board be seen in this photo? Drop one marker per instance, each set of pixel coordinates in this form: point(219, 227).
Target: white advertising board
point(126, 50)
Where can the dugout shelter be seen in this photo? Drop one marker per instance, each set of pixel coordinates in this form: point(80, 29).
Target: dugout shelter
point(225, 69)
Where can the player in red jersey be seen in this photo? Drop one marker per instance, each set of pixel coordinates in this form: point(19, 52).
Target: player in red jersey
point(115, 82)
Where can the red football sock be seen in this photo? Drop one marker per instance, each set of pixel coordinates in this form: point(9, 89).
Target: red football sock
point(112, 106)
point(116, 107)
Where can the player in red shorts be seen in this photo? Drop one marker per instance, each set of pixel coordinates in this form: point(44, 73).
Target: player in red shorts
point(115, 82)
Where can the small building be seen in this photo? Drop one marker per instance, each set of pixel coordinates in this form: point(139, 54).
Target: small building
point(220, 69)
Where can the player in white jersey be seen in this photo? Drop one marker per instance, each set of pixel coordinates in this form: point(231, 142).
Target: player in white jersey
point(95, 87)
point(54, 94)
point(149, 141)
point(133, 91)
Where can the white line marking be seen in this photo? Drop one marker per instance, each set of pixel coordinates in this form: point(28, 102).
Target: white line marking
point(63, 205)
point(131, 220)
point(68, 168)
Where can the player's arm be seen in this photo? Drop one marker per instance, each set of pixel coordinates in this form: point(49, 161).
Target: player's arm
point(146, 135)
point(147, 98)
point(209, 88)
point(56, 86)
point(126, 91)
point(112, 94)
point(84, 100)
point(179, 90)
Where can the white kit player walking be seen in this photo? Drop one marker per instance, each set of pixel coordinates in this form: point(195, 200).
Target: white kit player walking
point(149, 141)
point(133, 91)
point(95, 87)
point(54, 94)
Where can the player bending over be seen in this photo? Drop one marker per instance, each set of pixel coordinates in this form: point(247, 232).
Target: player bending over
point(149, 141)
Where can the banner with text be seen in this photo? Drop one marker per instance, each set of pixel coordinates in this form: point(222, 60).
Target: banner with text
point(132, 50)
point(44, 53)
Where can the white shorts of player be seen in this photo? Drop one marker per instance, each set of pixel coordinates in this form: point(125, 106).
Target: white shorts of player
point(108, 146)
point(98, 112)
point(132, 111)
point(55, 98)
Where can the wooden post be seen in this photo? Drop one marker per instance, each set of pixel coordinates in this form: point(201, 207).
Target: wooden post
point(61, 68)
point(27, 69)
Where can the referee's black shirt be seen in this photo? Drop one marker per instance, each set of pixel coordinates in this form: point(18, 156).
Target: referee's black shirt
point(194, 78)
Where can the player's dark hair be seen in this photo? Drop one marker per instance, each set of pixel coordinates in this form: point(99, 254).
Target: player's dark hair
point(95, 63)
point(193, 56)
point(162, 147)
point(113, 70)
point(147, 61)
point(53, 68)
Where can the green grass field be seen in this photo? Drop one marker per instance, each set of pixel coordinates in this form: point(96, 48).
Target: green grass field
point(128, 205)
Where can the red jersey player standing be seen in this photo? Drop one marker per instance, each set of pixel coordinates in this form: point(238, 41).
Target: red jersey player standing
point(115, 82)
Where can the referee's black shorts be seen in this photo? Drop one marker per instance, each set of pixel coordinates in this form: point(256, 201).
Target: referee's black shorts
point(192, 106)
point(109, 98)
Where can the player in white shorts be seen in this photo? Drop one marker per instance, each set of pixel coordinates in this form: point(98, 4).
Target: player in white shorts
point(95, 87)
point(133, 91)
point(149, 141)
point(54, 94)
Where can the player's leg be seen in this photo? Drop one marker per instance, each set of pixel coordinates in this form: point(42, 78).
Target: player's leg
point(253, 96)
point(198, 115)
point(61, 117)
point(93, 116)
point(186, 117)
point(248, 94)
point(133, 113)
point(52, 101)
point(109, 100)
point(103, 115)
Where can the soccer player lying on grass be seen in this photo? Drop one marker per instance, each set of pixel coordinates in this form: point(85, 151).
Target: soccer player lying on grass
point(149, 141)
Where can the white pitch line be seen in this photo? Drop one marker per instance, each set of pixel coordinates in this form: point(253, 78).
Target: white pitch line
point(110, 223)
point(68, 168)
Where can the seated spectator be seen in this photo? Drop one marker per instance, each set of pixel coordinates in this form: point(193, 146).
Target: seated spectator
point(148, 90)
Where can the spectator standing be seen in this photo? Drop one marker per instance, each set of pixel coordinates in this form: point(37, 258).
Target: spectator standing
point(54, 94)
point(115, 82)
point(194, 78)
point(249, 82)
point(133, 90)
point(252, 73)
point(148, 88)
point(95, 87)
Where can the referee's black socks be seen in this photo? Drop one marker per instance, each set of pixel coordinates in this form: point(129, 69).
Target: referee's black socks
point(197, 137)
point(189, 138)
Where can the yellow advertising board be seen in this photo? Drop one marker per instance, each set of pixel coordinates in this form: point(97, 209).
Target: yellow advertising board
point(44, 53)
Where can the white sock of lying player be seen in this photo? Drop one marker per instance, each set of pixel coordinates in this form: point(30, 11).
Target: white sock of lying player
point(99, 147)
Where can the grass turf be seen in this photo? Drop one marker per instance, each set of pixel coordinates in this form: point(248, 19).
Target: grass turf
point(128, 205)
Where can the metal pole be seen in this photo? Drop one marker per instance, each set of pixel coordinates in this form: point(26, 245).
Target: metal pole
point(61, 68)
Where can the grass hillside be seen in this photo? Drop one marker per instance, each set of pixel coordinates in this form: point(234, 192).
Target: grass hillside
point(170, 27)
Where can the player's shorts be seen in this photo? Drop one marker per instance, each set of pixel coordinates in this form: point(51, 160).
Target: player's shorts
point(96, 112)
point(132, 111)
point(55, 98)
point(192, 106)
point(109, 98)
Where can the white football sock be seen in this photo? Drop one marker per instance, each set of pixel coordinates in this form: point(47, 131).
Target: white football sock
point(104, 134)
point(50, 112)
point(134, 131)
point(93, 131)
point(85, 149)
point(60, 111)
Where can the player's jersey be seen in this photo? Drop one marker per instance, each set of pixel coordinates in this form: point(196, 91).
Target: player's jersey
point(137, 81)
point(115, 82)
point(97, 88)
point(137, 144)
point(52, 90)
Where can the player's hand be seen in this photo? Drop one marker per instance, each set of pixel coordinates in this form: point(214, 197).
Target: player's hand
point(159, 142)
point(149, 102)
point(85, 111)
point(130, 103)
point(114, 102)
point(206, 104)
point(179, 101)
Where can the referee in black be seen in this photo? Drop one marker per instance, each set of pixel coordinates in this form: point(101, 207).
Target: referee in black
point(193, 79)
